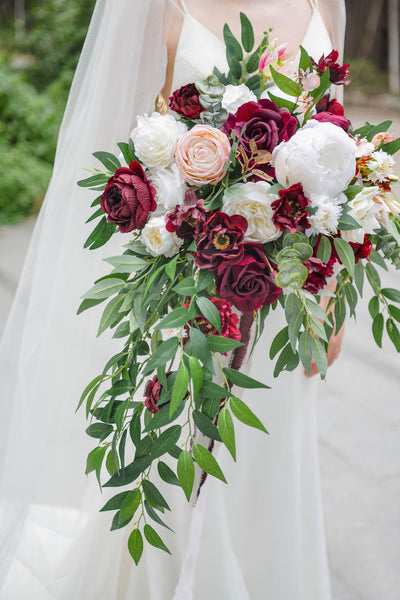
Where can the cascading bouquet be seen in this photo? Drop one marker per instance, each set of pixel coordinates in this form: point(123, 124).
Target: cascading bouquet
point(253, 191)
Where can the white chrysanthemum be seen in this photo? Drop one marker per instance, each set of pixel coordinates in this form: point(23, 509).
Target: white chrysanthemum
point(252, 201)
point(381, 165)
point(326, 217)
point(320, 156)
point(158, 240)
point(155, 139)
point(236, 95)
point(364, 209)
point(169, 186)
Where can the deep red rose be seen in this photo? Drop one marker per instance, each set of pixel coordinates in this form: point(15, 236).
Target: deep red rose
point(249, 283)
point(328, 117)
point(152, 393)
point(265, 123)
point(318, 273)
point(221, 240)
point(337, 74)
point(187, 220)
point(229, 321)
point(290, 209)
point(185, 102)
point(128, 198)
point(327, 105)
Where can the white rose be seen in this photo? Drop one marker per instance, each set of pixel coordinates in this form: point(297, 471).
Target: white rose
point(321, 156)
point(155, 139)
point(364, 210)
point(252, 201)
point(169, 186)
point(158, 240)
point(235, 96)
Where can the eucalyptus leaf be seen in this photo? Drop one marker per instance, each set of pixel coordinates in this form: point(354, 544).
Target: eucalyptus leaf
point(377, 329)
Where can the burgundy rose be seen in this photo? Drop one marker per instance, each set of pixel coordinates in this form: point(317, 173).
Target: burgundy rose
point(187, 220)
point(128, 198)
point(327, 105)
point(152, 393)
point(221, 240)
point(337, 74)
point(265, 124)
point(328, 117)
point(185, 102)
point(229, 321)
point(249, 283)
point(290, 209)
point(318, 273)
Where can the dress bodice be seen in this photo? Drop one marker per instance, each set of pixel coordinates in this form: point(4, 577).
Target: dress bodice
point(199, 50)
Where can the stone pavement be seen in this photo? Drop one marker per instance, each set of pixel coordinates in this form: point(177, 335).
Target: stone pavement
point(359, 425)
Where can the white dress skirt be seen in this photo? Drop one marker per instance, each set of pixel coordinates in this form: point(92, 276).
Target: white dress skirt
point(262, 535)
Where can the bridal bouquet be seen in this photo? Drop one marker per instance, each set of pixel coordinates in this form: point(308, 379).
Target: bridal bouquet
point(252, 191)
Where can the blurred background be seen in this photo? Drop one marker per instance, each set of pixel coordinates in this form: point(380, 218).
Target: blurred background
point(359, 405)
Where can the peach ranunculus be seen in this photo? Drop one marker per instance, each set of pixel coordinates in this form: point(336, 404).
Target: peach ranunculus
point(201, 154)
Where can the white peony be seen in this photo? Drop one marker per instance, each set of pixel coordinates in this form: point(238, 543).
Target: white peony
point(155, 139)
point(321, 156)
point(326, 217)
point(235, 96)
point(170, 188)
point(158, 240)
point(364, 209)
point(252, 201)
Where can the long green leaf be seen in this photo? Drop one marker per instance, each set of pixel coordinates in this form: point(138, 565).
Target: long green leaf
point(242, 380)
point(227, 430)
point(244, 414)
point(185, 470)
point(207, 462)
point(154, 539)
point(135, 545)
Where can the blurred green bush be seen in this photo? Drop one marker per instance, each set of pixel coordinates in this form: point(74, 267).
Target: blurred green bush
point(36, 71)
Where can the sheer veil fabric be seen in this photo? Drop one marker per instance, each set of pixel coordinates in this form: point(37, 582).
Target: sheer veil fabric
point(53, 543)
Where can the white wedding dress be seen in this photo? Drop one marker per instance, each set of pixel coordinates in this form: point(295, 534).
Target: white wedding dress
point(259, 537)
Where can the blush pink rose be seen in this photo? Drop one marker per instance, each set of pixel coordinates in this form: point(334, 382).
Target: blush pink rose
point(201, 154)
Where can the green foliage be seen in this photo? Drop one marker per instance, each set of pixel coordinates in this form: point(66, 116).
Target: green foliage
point(36, 71)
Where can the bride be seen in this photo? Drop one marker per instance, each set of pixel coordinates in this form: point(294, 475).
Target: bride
point(262, 535)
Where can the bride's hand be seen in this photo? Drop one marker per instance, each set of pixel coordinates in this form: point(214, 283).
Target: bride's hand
point(335, 341)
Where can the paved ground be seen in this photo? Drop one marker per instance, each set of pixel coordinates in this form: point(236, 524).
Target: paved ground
point(359, 423)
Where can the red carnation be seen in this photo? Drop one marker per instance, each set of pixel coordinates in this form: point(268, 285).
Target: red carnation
point(185, 102)
point(290, 209)
point(249, 283)
point(128, 198)
point(337, 74)
point(187, 220)
point(318, 273)
point(264, 123)
point(221, 240)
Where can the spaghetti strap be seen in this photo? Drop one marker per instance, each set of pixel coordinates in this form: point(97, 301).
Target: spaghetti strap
point(181, 6)
point(314, 4)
